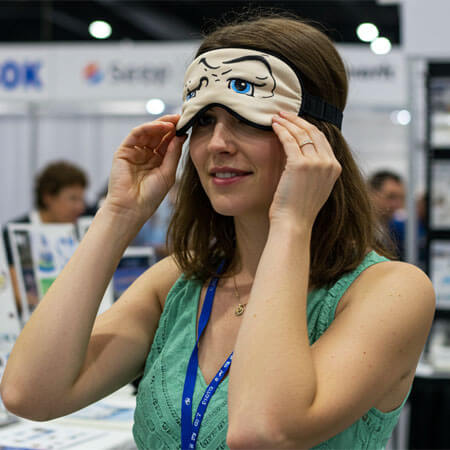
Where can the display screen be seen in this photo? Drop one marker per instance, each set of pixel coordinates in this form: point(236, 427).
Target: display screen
point(129, 269)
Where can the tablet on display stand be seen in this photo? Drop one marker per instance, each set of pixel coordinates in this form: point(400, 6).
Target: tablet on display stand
point(39, 253)
point(20, 242)
point(83, 223)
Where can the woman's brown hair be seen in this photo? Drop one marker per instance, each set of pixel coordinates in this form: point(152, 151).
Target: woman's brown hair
point(345, 228)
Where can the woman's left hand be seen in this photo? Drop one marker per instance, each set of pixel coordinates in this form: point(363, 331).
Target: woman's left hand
point(309, 175)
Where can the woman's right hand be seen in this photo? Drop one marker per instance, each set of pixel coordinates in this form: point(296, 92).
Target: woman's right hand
point(144, 168)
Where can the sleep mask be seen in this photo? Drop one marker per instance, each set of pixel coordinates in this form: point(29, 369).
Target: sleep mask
point(252, 85)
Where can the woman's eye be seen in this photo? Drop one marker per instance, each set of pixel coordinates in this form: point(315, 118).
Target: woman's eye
point(241, 86)
point(204, 120)
point(190, 95)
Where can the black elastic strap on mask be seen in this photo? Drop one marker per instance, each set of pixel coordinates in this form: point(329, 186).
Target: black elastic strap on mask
point(320, 109)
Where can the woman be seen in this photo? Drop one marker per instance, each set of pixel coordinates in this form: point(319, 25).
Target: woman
point(59, 191)
point(273, 270)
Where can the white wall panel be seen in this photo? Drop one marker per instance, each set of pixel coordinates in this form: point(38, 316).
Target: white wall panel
point(88, 141)
point(16, 168)
point(377, 143)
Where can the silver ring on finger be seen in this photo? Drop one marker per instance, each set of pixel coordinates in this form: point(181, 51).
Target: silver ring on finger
point(308, 141)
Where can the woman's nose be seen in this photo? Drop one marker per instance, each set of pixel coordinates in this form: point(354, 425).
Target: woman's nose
point(221, 139)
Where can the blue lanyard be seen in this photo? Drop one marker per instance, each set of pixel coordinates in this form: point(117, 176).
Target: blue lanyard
point(189, 430)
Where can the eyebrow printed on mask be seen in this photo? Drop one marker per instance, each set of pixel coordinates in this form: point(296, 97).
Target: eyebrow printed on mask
point(252, 69)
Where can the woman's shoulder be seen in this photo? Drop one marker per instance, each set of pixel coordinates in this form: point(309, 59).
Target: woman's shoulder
point(388, 271)
point(401, 284)
point(163, 275)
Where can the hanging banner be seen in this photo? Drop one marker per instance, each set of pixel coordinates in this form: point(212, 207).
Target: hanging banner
point(123, 72)
point(379, 80)
point(94, 71)
point(25, 72)
point(140, 71)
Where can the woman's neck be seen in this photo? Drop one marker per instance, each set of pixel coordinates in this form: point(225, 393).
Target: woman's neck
point(46, 216)
point(251, 238)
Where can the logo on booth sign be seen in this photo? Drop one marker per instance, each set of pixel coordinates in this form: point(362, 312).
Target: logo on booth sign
point(14, 74)
point(142, 74)
point(119, 73)
point(93, 74)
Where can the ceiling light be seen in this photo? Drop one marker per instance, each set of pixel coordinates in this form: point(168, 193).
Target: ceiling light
point(155, 106)
point(367, 32)
point(100, 29)
point(381, 46)
point(402, 117)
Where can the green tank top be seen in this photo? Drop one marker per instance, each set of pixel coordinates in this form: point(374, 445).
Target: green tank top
point(157, 416)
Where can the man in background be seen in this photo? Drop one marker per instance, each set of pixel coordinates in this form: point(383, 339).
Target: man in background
point(387, 192)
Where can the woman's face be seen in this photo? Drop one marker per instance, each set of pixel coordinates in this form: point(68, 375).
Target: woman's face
point(238, 165)
point(67, 205)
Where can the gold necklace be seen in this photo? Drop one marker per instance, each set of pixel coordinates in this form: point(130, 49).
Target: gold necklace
point(240, 308)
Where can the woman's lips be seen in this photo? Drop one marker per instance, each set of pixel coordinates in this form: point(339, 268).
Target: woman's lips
point(229, 179)
point(226, 176)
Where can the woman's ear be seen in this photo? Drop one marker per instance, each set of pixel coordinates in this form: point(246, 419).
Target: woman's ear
point(47, 199)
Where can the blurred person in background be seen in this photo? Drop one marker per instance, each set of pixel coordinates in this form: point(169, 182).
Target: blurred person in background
point(398, 226)
point(387, 194)
point(59, 193)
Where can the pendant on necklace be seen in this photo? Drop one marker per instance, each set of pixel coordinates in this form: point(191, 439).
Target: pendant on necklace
point(240, 309)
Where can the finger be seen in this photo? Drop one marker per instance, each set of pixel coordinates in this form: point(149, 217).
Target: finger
point(136, 154)
point(172, 156)
point(319, 137)
point(289, 143)
point(305, 143)
point(325, 151)
point(149, 134)
point(167, 119)
point(323, 147)
point(162, 147)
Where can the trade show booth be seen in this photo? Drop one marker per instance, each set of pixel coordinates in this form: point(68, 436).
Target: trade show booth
point(78, 102)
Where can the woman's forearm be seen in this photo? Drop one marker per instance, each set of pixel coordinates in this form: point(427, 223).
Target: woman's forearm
point(50, 351)
point(272, 374)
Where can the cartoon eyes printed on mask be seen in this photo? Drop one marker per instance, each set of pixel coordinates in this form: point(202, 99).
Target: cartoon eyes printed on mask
point(241, 86)
point(190, 95)
point(237, 85)
point(213, 75)
point(193, 92)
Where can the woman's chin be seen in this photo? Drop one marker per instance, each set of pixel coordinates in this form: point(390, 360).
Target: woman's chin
point(239, 210)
